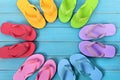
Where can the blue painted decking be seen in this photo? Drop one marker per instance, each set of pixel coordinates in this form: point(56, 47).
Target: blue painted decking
point(58, 40)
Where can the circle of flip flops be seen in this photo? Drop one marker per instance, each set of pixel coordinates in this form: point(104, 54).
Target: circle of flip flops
point(77, 63)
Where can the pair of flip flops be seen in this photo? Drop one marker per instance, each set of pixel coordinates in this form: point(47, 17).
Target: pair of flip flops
point(33, 15)
point(97, 49)
point(32, 64)
point(81, 17)
point(81, 64)
point(20, 31)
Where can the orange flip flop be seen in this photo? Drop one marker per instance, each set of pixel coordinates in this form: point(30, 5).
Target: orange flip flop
point(49, 9)
point(31, 13)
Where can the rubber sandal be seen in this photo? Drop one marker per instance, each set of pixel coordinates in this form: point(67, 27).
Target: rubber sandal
point(66, 10)
point(18, 50)
point(18, 31)
point(96, 31)
point(97, 49)
point(50, 10)
point(84, 66)
point(31, 13)
point(83, 14)
point(65, 71)
point(47, 71)
point(30, 66)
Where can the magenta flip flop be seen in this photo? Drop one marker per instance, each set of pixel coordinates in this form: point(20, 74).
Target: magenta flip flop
point(20, 31)
point(95, 31)
point(29, 67)
point(47, 71)
point(97, 49)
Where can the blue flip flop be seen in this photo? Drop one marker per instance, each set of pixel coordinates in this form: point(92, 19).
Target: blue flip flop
point(84, 66)
point(65, 71)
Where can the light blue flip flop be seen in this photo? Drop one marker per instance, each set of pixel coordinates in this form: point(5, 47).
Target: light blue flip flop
point(84, 66)
point(65, 71)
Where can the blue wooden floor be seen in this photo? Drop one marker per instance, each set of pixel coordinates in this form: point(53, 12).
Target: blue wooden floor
point(59, 40)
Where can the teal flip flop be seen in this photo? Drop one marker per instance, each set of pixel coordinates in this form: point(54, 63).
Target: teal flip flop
point(83, 14)
point(66, 10)
point(65, 71)
point(84, 66)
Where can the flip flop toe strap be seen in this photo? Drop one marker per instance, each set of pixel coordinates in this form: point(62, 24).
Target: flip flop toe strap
point(18, 50)
point(46, 68)
point(22, 28)
point(64, 71)
point(29, 62)
point(94, 53)
point(89, 33)
point(81, 66)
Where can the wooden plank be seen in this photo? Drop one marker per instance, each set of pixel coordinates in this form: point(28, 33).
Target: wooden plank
point(95, 19)
point(108, 75)
point(102, 63)
point(60, 34)
point(103, 7)
point(60, 48)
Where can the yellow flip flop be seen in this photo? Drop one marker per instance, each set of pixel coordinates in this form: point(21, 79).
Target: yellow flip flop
point(31, 13)
point(49, 9)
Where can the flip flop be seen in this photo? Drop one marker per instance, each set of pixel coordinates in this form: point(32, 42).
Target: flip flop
point(18, 31)
point(96, 31)
point(65, 71)
point(30, 66)
point(50, 10)
point(66, 10)
point(83, 14)
point(18, 50)
point(97, 49)
point(84, 66)
point(31, 13)
point(47, 71)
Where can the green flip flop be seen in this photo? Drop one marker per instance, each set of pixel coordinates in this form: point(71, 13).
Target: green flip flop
point(83, 14)
point(66, 10)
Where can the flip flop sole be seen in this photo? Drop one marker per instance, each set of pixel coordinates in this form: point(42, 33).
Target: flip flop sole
point(21, 75)
point(16, 29)
point(66, 10)
point(50, 10)
point(109, 51)
point(108, 29)
point(65, 74)
point(82, 16)
point(48, 70)
point(94, 74)
point(32, 14)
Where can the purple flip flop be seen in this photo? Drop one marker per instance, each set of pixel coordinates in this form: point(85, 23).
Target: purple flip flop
point(96, 49)
point(95, 31)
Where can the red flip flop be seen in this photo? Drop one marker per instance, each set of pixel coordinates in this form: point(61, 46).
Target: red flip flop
point(18, 50)
point(21, 31)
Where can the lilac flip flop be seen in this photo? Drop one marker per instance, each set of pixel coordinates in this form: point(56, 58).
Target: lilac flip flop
point(96, 49)
point(29, 67)
point(95, 31)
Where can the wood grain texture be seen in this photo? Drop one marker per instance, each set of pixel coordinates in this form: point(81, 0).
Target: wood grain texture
point(58, 40)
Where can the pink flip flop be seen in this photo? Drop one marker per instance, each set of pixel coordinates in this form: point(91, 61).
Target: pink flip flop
point(96, 49)
point(48, 71)
point(95, 31)
point(18, 31)
point(18, 50)
point(32, 64)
